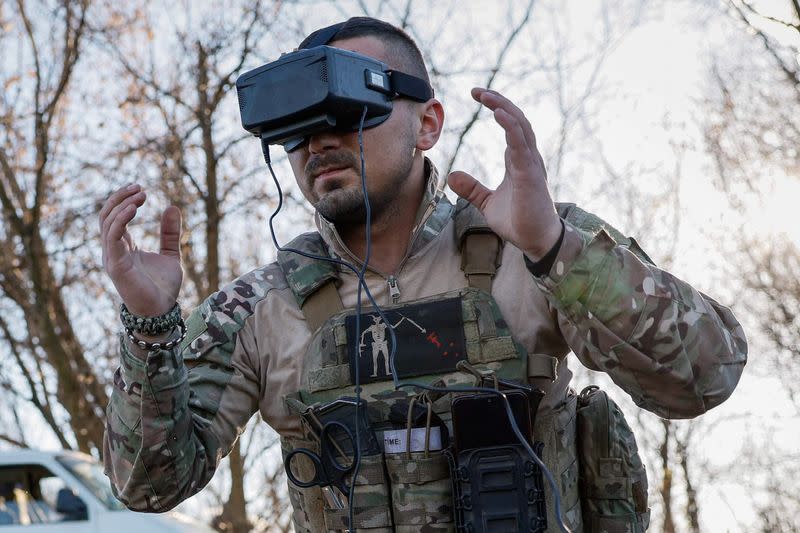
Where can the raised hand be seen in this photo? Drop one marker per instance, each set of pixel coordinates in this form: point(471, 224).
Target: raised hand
point(520, 210)
point(147, 282)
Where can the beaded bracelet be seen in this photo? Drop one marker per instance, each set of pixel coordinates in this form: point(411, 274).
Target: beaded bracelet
point(151, 346)
point(150, 325)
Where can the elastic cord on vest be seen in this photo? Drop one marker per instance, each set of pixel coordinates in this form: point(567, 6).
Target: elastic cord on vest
point(393, 338)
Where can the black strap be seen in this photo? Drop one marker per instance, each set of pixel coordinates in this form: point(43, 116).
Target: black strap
point(324, 36)
point(402, 84)
point(410, 86)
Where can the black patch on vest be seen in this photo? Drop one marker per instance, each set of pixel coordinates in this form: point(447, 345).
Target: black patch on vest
point(430, 340)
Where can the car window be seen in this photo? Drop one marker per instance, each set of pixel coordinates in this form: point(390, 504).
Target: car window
point(29, 496)
point(91, 475)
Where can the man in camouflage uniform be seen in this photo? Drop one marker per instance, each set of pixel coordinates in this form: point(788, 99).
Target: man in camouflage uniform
point(564, 284)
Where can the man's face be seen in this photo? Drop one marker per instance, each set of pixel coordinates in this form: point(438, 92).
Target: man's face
point(328, 167)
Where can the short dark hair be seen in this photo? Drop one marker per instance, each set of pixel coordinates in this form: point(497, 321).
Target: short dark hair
point(400, 47)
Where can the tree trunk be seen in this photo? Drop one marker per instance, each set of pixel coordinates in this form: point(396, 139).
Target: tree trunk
point(234, 514)
point(692, 508)
point(233, 518)
point(666, 479)
point(79, 390)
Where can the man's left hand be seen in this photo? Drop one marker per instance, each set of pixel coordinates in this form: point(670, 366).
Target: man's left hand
point(520, 210)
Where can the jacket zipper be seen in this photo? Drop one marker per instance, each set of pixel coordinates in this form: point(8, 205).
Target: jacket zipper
point(394, 288)
point(391, 279)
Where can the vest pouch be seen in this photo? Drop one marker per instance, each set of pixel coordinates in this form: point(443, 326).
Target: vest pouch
point(421, 491)
point(498, 488)
point(613, 480)
point(371, 500)
point(557, 430)
point(306, 502)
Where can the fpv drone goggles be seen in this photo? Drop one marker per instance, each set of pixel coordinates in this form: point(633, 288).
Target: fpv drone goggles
point(321, 88)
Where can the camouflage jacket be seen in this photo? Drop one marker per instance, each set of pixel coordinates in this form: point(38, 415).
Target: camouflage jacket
point(175, 413)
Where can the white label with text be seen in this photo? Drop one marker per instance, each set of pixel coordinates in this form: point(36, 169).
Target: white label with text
point(396, 440)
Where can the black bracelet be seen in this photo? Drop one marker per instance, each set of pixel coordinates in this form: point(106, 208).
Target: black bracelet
point(150, 325)
point(151, 346)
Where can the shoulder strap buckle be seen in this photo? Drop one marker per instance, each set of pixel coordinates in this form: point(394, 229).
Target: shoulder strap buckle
point(481, 248)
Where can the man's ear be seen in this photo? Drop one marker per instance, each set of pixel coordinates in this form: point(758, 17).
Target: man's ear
point(430, 125)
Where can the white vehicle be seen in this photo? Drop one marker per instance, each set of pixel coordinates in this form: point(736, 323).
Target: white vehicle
point(63, 492)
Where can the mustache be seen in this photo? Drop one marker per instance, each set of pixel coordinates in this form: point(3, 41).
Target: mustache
point(333, 159)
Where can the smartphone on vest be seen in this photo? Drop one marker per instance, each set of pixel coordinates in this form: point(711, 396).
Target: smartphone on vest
point(480, 420)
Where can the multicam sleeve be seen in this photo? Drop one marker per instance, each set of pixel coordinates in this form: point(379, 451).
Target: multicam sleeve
point(676, 351)
point(174, 414)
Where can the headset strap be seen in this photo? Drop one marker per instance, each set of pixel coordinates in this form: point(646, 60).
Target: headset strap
point(410, 86)
point(403, 84)
point(324, 36)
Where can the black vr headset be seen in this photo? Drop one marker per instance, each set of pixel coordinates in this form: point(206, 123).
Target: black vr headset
point(320, 88)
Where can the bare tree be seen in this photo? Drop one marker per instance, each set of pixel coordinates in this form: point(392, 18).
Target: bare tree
point(684, 451)
point(180, 113)
point(39, 334)
point(753, 134)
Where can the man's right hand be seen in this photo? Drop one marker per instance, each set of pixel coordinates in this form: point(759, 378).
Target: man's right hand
point(147, 282)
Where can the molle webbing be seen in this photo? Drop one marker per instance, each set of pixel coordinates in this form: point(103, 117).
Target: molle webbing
point(480, 247)
point(313, 282)
point(613, 479)
point(409, 491)
point(541, 365)
point(488, 341)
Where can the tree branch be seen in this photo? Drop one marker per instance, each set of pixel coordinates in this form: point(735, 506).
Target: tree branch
point(71, 54)
point(489, 84)
point(9, 211)
point(233, 143)
point(225, 81)
point(43, 407)
point(13, 441)
point(792, 75)
point(45, 117)
point(406, 15)
point(141, 78)
point(773, 19)
point(32, 41)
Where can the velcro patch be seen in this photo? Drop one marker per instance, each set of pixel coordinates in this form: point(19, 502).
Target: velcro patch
point(430, 340)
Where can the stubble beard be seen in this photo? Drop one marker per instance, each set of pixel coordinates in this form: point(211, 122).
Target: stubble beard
point(345, 205)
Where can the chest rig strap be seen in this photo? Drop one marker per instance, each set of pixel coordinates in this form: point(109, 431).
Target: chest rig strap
point(313, 282)
point(481, 249)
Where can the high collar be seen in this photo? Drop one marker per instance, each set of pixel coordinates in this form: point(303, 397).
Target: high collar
point(433, 213)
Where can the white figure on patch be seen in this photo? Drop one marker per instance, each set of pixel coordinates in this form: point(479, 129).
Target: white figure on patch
point(380, 344)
